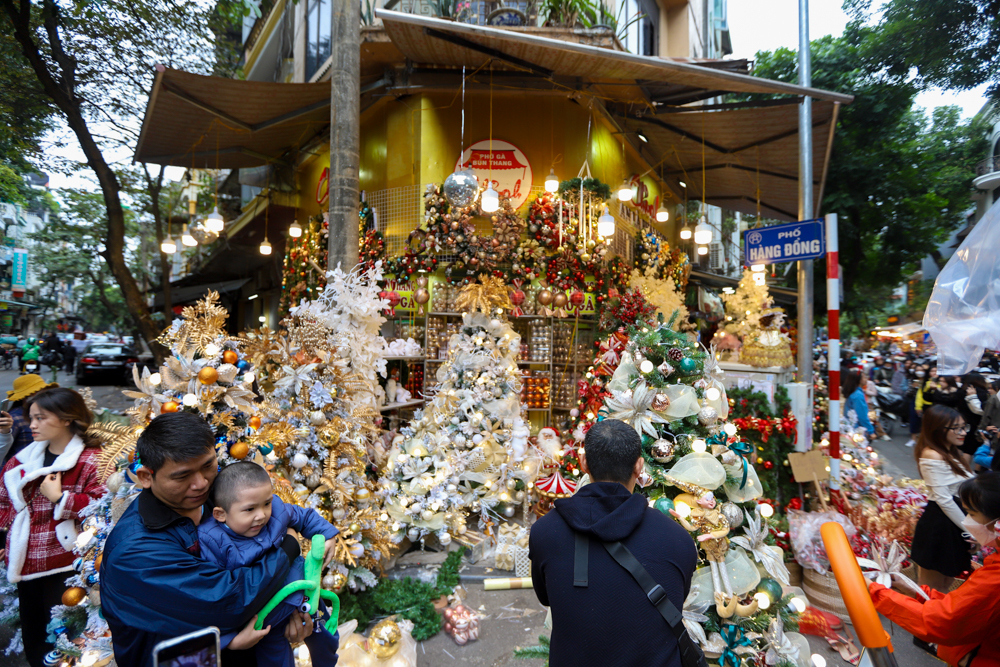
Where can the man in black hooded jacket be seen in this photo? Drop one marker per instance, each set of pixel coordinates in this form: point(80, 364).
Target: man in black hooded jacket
point(610, 621)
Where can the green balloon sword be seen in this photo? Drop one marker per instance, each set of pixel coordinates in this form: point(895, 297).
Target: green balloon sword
point(310, 586)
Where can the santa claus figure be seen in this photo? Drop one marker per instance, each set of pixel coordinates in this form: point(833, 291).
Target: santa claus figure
point(550, 443)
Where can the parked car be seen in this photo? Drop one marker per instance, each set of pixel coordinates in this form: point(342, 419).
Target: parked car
point(110, 360)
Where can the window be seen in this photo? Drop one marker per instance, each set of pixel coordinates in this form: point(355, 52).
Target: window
point(641, 36)
point(318, 20)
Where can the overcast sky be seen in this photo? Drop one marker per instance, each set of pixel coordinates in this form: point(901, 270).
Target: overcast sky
point(764, 25)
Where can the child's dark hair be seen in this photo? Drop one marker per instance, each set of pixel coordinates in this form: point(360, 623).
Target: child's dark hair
point(175, 436)
point(233, 478)
point(982, 494)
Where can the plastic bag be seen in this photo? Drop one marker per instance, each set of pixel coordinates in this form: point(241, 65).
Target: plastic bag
point(807, 543)
point(963, 314)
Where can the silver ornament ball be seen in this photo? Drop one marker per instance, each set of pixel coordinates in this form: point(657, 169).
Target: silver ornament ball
point(708, 416)
point(461, 188)
point(733, 514)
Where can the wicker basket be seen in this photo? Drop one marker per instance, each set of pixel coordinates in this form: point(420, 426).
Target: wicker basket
point(794, 573)
point(823, 593)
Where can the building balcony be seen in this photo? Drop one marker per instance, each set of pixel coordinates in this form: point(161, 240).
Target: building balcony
point(988, 173)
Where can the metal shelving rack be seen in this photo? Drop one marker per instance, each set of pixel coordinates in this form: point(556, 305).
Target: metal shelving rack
point(573, 366)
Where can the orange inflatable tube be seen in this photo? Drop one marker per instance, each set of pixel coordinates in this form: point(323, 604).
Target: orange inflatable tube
point(853, 587)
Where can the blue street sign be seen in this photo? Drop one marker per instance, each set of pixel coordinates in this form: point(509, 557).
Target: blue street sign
point(785, 243)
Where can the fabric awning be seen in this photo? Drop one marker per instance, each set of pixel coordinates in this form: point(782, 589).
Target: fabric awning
point(208, 121)
point(427, 40)
point(744, 149)
point(184, 295)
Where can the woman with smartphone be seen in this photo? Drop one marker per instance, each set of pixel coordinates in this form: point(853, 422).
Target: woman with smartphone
point(44, 488)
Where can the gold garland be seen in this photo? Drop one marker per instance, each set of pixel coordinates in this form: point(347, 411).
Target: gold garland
point(200, 325)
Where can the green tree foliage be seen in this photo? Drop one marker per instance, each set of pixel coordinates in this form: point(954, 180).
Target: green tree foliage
point(67, 253)
point(947, 43)
point(25, 113)
point(898, 179)
point(94, 62)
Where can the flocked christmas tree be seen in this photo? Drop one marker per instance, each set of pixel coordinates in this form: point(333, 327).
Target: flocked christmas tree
point(464, 453)
point(317, 377)
point(701, 471)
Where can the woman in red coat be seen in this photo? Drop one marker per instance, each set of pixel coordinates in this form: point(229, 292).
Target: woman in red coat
point(45, 485)
point(964, 623)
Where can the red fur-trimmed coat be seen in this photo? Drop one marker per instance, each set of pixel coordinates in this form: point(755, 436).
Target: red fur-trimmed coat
point(41, 533)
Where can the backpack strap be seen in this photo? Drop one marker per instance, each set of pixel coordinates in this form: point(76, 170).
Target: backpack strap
point(580, 561)
point(691, 655)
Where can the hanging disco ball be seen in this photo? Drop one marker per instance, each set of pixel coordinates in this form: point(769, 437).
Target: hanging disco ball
point(461, 188)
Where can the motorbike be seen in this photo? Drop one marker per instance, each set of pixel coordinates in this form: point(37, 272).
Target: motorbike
point(891, 407)
point(30, 366)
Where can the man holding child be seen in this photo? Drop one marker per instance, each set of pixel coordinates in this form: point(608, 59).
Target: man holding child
point(156, 582)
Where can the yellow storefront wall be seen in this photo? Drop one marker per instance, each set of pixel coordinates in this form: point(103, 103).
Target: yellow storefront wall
point(416, 140)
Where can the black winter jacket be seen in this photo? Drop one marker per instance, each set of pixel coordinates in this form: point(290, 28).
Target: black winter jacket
point(611, 621)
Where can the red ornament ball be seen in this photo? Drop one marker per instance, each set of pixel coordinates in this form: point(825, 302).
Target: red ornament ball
point(768, 465)
point(576, 298)
point(517, 297)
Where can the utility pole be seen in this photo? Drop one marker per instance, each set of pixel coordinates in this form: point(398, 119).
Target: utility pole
point(345, 134)
point(805, 267)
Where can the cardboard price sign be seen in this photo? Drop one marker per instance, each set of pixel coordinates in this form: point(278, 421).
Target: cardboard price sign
point(808, 467)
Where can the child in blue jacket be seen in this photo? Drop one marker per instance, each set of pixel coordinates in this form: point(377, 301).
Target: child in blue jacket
point(247, 521)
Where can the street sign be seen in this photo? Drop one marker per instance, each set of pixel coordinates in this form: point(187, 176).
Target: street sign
point(19, 279)
point(785, 243)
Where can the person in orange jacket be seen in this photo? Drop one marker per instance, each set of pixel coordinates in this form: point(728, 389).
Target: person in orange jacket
point(962, 623)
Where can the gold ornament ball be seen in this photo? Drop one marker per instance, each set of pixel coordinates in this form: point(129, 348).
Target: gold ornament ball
point(362, 495)
point(254, 422)
point(230, 357)
point(73, 596)
point(560, 300)
point(208, 375)
point(239, 450)
point(544, 296)
point(421, 281)
point(384, 640)
point(422, 296)
point(355, 528)
point(169, 406)
point(339, 581)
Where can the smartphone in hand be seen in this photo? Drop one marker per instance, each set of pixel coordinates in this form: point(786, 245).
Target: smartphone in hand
point(197, 649)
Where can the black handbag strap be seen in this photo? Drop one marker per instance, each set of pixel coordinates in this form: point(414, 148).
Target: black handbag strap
point(580, 561)
point(691, 655)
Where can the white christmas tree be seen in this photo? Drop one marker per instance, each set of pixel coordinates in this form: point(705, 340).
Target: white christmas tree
point(464, 453)
point(745, 306)
point(317, 379)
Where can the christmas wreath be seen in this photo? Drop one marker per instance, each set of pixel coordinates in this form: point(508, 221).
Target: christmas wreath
point(597, 191)
point(453, 231)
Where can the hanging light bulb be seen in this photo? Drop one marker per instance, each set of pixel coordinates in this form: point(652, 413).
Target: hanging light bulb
point(625, 191)
point(552, 181)
point(168, 246)
point(186, 237)
point(703, 232)
point(265, 247)
point(686, 231)
point(703, 250)
point(214, 222)
point(295, 230)
point(662, 214)
point(605, 224)
point(491, 200)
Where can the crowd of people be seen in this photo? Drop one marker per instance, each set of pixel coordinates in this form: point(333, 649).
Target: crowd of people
point(920, 387)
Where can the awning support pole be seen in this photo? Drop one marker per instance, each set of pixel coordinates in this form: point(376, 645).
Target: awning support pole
point(345, 135)
point(805, 268)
